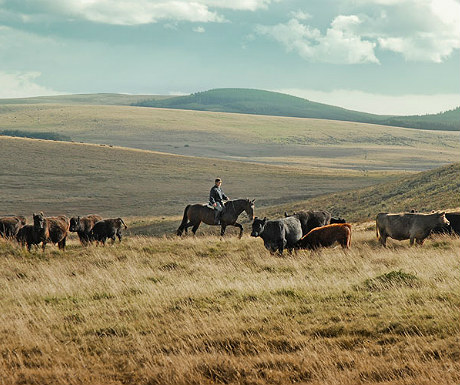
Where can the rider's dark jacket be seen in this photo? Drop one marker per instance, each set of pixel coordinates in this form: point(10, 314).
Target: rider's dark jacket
point(217, 195)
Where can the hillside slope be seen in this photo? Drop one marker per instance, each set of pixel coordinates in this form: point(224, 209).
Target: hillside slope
point(250, 101)
point(437, 189)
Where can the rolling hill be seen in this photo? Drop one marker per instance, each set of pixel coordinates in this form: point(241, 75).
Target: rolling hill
point(249, 101)
point(305, 143)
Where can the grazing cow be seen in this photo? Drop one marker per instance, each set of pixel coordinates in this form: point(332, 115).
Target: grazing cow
point(337, 220)
point(278, 234)
point(9, 226)
point(326, 236)
point(83, 227)
point(107, 228)
point(51, 229)
point(452, 228)
point(27, 236)
point(311, 219)
point(413, 226)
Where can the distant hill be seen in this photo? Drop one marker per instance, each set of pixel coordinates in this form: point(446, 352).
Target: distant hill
point(250, 101)
point(429, 190)
point(84, 99)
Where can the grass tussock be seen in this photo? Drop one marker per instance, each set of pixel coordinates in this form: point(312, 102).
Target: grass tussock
point(208, 310)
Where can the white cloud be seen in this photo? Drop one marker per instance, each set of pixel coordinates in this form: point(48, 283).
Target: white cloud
point(128, 12)
point(339, 45)
point(199, 29)
point(22, 84)
point(410, 104)
point(419, 30)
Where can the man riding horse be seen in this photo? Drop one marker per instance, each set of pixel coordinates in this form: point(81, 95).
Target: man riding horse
point(216, 200)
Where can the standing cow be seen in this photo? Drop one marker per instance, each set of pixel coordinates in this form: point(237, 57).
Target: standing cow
point(278, 234)
point(452, 228)
point(326, 236)
point(413, 226)
point(83, 227)
point(107, 228)
point(51, 230)
point(27, 236)
point(9, 226)
point(311, 219)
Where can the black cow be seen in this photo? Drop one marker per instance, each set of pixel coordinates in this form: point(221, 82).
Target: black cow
point(278, 234)
point(337, 220)
point(452, 228)
point(27, 236)
point(107, 228)
point(311, 219)
point(83, 227)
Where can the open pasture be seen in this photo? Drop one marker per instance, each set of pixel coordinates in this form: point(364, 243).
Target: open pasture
point(77, 179)
point(304, 143)
point(209, 310)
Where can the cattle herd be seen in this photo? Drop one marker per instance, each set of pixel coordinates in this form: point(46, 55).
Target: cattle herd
point(56, 229)
point(301, 230)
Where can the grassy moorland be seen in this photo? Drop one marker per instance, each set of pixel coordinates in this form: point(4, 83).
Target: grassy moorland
point(207, 310)
point(305, 143)
point(75, 179)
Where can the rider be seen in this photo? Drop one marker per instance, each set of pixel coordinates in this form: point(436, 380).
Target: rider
point(216, 198)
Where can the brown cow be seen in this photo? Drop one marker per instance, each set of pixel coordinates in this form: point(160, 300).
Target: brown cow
point(107, 228)
point(83, 227)
point(27, 236)
point(51, 229)
point(9, 226)
point(326, 236)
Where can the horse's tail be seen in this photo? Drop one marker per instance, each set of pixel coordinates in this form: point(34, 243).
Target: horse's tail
point(181, 228)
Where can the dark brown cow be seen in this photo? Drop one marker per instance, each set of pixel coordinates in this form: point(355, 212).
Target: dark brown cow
point(326, 236)
point(51, 229)
point(27, 236)
point(9, 226)
point(107, 228)
point(83, 227)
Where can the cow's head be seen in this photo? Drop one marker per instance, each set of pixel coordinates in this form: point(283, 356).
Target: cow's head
point(258, 226)
point(39, 221)
point(442, 219)
point(120, 223)
point(74, 224)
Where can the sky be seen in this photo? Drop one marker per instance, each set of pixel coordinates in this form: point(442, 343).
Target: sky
point(381, 56)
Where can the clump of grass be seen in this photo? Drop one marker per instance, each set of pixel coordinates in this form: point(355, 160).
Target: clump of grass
point(392, 279)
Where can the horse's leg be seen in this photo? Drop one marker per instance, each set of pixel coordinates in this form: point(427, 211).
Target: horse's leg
point(195, 227)
point(236, 224)
point(222, 230)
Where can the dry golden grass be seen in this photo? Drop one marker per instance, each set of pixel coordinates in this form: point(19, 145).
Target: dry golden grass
point(209, 310)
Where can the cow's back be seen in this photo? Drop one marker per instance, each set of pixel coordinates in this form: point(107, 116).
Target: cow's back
point(292, 230)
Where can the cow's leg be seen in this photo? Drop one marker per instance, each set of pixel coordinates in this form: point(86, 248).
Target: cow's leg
point(412, 239)
point(61, 243)
point(420, 241)
point(43, 246)
point(222, 230)
point(383, 239)
point(119, 235)
point(236, 224)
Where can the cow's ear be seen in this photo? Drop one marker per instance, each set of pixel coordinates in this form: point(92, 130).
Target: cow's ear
point(253, 201)
point(265, 219)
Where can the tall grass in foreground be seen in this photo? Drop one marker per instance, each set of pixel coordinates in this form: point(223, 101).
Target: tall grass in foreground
point(210, 310)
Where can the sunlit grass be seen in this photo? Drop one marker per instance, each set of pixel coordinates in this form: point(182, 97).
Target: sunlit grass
point(210, 310)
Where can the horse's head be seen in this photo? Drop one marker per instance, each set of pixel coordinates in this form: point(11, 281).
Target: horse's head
point(250, 208)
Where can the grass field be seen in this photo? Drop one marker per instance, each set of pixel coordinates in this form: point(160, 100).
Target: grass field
point(209, 310)
point(305, 143)
point(77, 179)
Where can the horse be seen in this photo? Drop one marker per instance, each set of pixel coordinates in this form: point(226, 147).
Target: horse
point(197, 213)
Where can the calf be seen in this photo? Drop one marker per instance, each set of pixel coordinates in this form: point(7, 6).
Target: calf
point(311, 219)
point(326, 236)
point(83, 227)
point(107, 228)
point(413, 226)
point(278, 234)
point(9, 226)
point(51, 229)
point(27, 236)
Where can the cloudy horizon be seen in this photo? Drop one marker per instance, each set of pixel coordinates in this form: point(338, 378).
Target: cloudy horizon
point(379, 56)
